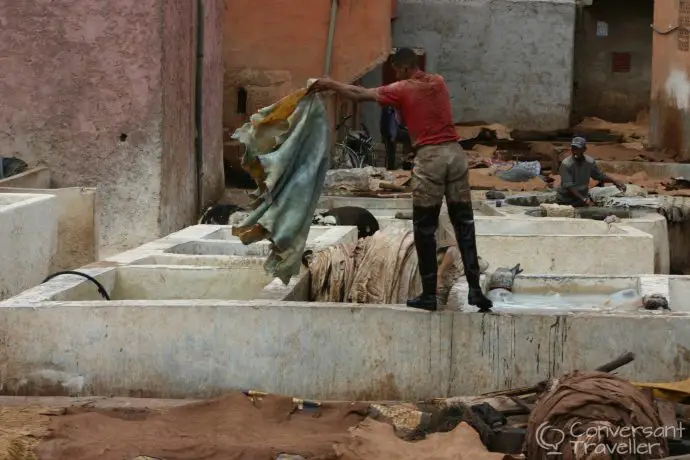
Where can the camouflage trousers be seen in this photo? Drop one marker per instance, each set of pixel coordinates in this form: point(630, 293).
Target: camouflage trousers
point(440, 170)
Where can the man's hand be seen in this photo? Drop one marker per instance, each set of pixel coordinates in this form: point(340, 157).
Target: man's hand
point(589, 202)
point(322, 84)
point(621, 186)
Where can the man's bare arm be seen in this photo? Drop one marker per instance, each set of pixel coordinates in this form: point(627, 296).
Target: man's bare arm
point(355, 93)
point(608, 179)
point(576, 194)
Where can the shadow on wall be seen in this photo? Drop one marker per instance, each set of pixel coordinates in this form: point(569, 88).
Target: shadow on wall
point(679, 240)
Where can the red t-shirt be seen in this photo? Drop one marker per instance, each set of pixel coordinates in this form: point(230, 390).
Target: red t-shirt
point(424, 102)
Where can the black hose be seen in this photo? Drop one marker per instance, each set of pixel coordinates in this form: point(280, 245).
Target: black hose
point(101, 289)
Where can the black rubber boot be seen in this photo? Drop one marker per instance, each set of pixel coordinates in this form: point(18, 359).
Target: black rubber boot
point(425, 223)
point(462, 218)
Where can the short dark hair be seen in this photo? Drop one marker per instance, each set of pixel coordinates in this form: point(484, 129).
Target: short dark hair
point(405, 57)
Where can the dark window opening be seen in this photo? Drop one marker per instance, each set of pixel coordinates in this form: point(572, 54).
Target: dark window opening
point(242, 101)
point(620, 62)
point(123, 137)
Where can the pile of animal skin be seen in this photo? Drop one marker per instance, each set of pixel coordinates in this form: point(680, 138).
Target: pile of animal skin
point(380, 269)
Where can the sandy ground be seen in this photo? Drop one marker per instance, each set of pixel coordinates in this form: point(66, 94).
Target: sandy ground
point(232, 427)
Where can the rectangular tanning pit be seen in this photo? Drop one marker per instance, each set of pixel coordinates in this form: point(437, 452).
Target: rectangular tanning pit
point(201, 261)
point(221, 248)
point(172, 283)
point(561, 246)
point(645, 220)
point(553, 294)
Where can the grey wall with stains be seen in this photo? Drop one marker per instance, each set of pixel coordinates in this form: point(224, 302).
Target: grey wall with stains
point(506, 61)
point(599, 91)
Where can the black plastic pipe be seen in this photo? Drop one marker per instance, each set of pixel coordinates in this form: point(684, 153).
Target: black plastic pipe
point(101, 289)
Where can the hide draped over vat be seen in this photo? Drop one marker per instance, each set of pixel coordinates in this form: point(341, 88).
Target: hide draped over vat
point(380, 269)
point(286, 154)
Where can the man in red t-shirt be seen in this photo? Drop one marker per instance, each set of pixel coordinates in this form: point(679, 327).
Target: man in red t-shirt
point(440, 169)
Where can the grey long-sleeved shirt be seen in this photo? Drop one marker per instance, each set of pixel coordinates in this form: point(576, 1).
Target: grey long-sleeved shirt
point(576, 174)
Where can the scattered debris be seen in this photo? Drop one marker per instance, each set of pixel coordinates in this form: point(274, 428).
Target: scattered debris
point(677, 183)
point(368, 181)
point(612, 219)
point(557, 210)
point(495, 195)
point(520, 171)
point(655, 302)
point(503, 278)
point(355, 216)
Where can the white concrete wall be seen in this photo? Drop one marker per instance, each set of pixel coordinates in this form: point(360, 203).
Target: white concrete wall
point(28, 240)
point(561, 246)
point(325, 351)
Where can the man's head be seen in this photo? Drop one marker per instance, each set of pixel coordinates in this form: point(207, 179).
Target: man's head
point(405, 63)
point(578, 147)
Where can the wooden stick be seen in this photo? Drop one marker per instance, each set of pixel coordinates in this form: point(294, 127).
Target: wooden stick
point(621, 361)
point(611, 366)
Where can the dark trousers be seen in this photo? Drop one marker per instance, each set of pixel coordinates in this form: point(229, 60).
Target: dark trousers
point(392, 149)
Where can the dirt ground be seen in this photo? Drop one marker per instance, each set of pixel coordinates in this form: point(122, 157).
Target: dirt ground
point(233, 427)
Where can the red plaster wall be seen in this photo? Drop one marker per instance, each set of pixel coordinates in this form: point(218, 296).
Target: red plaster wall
point(273, 49)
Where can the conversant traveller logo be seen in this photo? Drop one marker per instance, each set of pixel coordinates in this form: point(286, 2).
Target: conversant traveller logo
point(596, 439)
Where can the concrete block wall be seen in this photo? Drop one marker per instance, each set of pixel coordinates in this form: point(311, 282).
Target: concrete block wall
point(505, 61)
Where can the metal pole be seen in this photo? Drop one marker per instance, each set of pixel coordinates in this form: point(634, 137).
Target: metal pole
point(331, 37)
point(198, 105)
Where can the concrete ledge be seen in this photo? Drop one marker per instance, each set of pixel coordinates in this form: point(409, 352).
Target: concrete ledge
point(201, 239)
point(179, 350)
point(323, 351)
